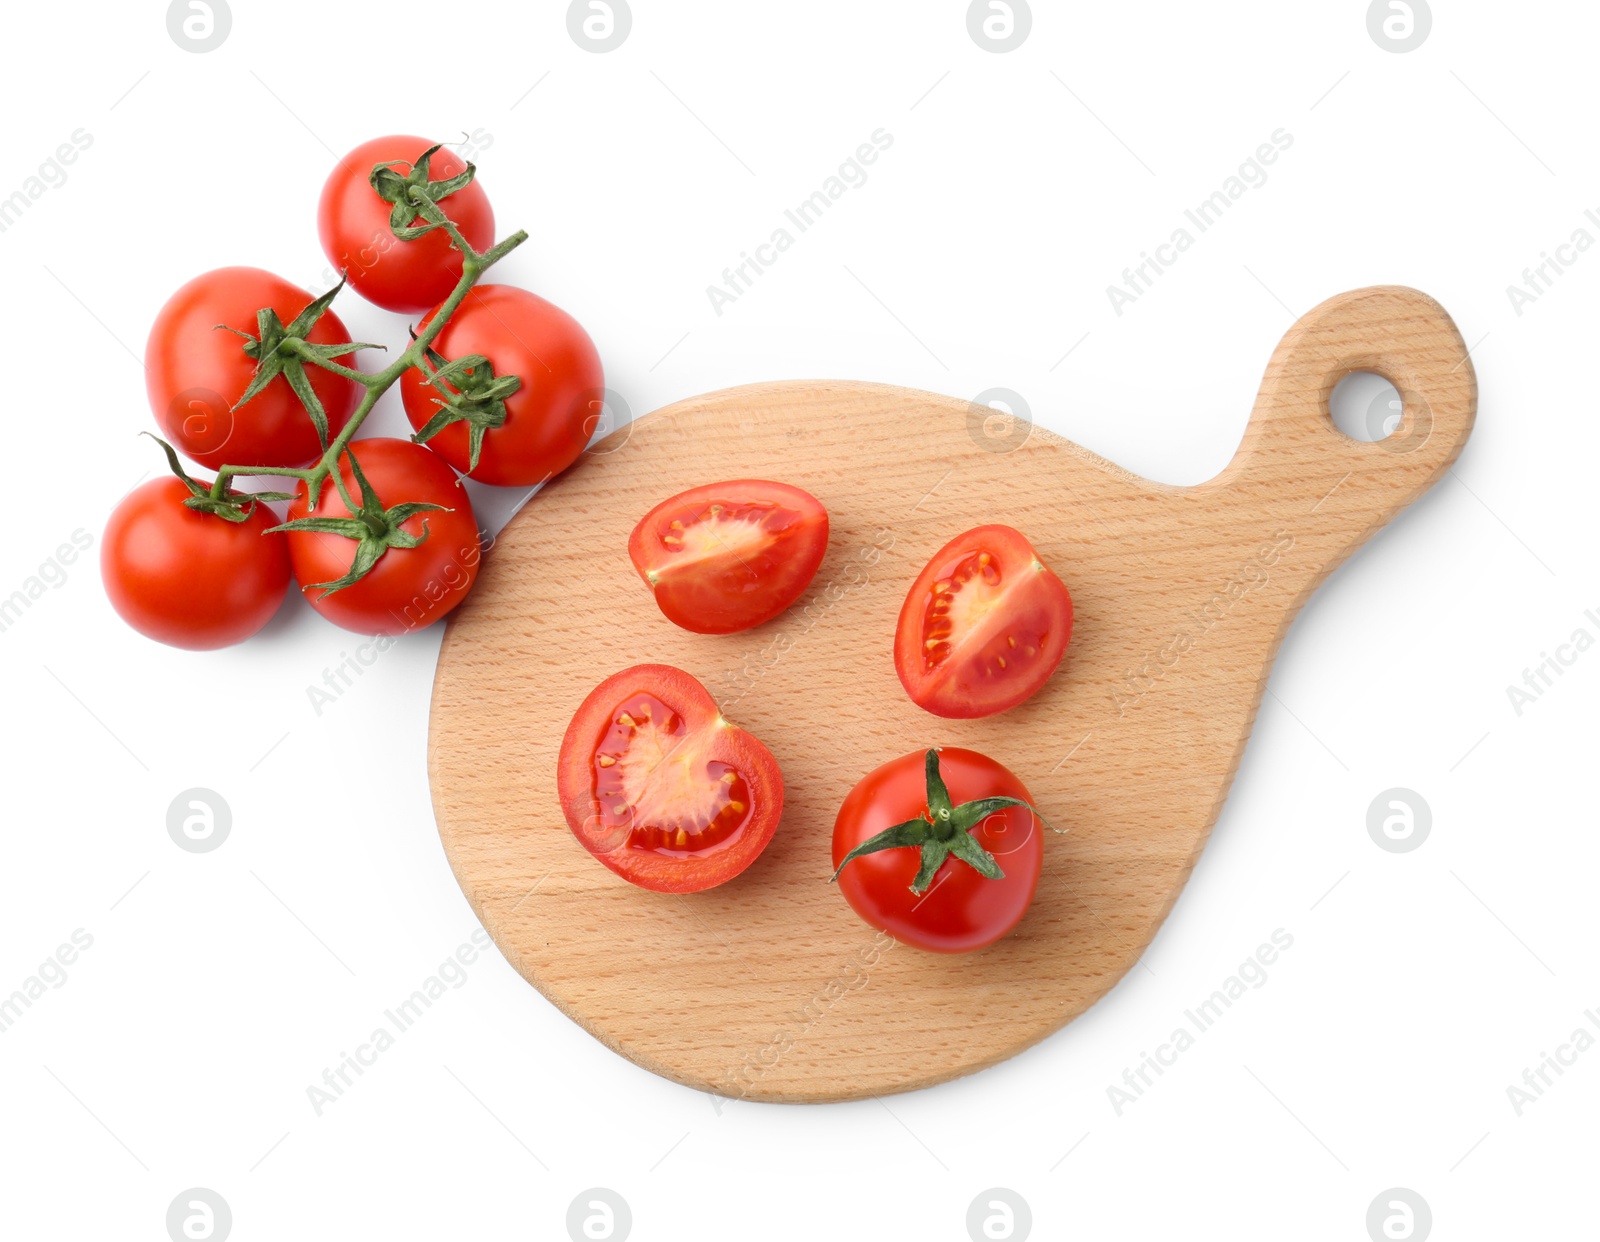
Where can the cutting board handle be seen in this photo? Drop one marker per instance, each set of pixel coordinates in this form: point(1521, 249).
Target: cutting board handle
point(1291, 446)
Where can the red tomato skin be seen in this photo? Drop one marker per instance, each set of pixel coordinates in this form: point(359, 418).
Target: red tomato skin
point(409, 588)
point(550, 418)
point(959, 694)
point(701, 603)
point(195, 371)
point(189, 579)
point(723, 742)
point(961, 911)
point(353, 225)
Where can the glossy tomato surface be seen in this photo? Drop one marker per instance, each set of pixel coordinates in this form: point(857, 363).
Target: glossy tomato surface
point(189, 579)
point(661, 789)
point(408, 588)
point(983, 627)
point(353, 224)
point(728, 556)
point(550, 418)
point(195, 372)
point(961, 910)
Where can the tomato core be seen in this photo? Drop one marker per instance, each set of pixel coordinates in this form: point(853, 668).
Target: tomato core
point(965, 611)
point(737, 532)
point(657, 791)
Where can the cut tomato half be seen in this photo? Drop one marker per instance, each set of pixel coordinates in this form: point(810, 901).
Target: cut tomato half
point(983, 627)
point(660, 788)
point(728, 556)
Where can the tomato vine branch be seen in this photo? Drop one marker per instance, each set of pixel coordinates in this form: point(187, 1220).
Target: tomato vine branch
point(474, 264)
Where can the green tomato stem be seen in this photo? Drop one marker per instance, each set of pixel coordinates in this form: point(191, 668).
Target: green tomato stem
point(473, 266)
point(292, 345)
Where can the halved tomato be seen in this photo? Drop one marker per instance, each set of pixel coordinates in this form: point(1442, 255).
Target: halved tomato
point(728, 556)
point(660, 788)
point(983, 626)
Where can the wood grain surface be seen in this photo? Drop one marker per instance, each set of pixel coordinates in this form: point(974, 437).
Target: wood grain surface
point(770, 987)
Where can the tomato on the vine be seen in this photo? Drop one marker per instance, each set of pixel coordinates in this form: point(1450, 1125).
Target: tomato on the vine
point(191, 579)
point(407, 587)
point(941, 849)
point(728, 556)
point(983, 626)
point(196, 370)
point(539, 429)
point(661, 789)
point(353, 223)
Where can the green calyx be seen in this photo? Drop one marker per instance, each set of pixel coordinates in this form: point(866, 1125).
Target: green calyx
point(231, 506)
point(940, 832)
point(413, 193)
point(471, 393)
point(374, 528)
point(281, 349)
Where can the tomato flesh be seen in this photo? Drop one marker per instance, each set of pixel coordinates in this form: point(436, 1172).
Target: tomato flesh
point(983, 627)
point(662, 790)
point(728, 556)
point(654, 782)
point(961, 910)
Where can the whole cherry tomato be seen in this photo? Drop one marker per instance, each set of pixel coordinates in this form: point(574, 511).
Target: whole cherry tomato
point(353, 223)
point(548, 420)
point(196, 371)
point(408, 587)
point(190, 579)
point(928, 876)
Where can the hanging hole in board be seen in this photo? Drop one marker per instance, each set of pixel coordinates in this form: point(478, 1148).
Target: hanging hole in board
point(1365, 406)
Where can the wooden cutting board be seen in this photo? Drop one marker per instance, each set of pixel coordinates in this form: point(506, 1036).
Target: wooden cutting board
point(770, 987)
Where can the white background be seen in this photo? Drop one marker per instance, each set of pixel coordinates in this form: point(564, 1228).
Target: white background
point(1420, 986)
